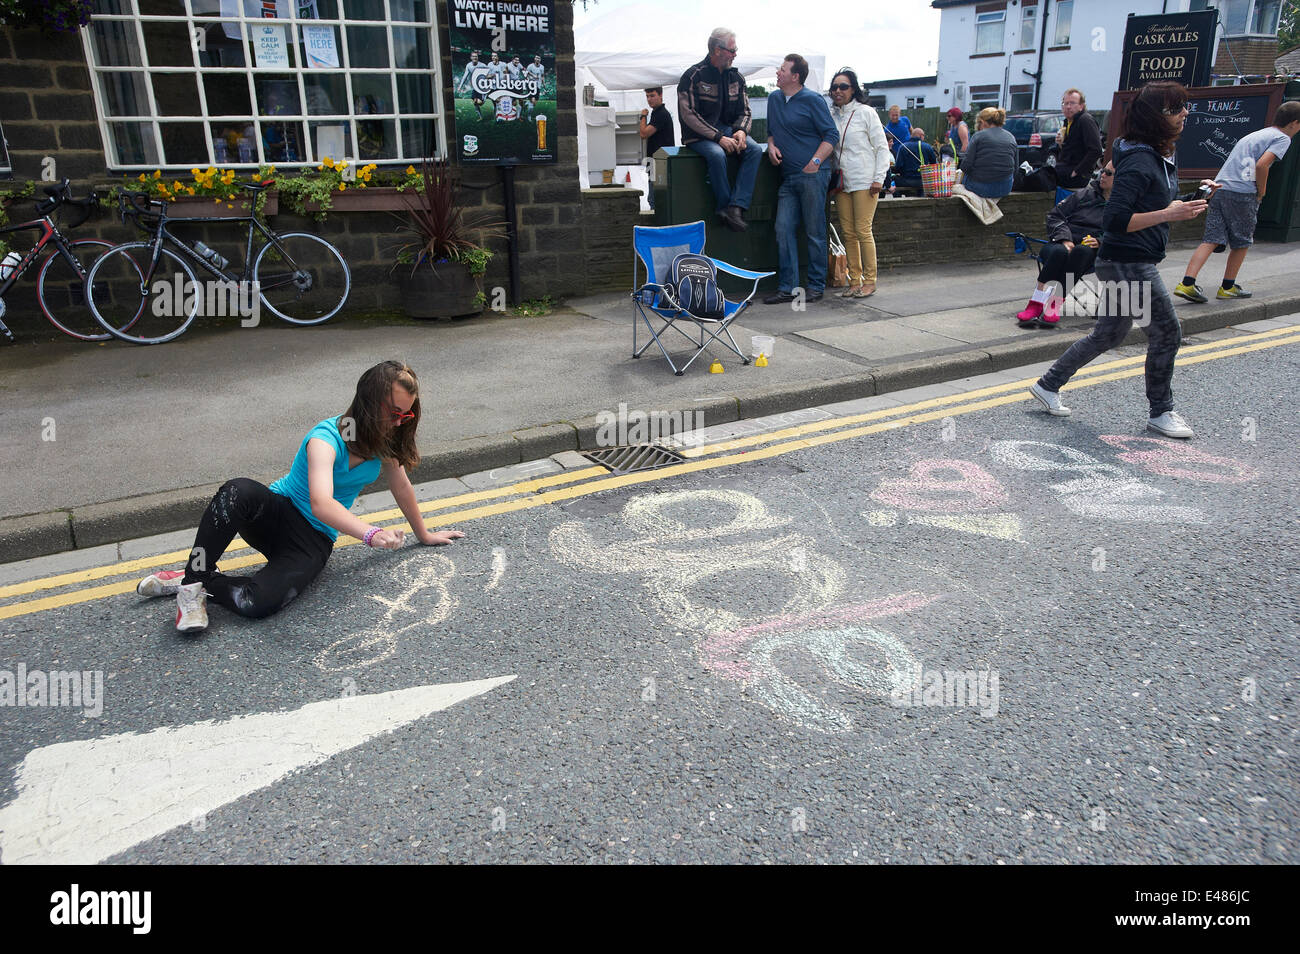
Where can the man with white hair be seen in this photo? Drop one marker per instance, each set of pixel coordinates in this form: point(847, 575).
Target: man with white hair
point(714, 111)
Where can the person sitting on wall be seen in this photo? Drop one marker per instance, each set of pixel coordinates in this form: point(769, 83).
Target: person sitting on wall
point(898, 130)
point(958, 134)
point(989, 169)
point(1074, 235)
point(713, 106)
point(1079, 142)
point(912, 155)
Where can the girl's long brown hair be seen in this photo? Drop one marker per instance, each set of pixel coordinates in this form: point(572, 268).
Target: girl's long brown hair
point(1146, 121)
point(369, 416)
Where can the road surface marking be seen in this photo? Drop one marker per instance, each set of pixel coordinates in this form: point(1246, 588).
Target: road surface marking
point(79, 803)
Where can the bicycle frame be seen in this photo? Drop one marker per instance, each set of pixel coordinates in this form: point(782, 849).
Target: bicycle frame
point(49, 234)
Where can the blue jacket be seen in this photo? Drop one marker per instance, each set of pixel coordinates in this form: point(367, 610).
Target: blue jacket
point(799, 127)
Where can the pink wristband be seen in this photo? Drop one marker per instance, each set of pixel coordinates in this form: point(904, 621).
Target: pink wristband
point(370, 535)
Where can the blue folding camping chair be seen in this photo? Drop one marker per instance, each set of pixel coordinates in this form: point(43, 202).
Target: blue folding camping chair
point(655, 301)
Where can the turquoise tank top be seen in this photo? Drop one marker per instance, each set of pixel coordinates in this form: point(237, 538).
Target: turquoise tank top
point(348, 481)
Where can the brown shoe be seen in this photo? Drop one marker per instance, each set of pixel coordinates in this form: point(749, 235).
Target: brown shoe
point(866, 290)
point(851, 292)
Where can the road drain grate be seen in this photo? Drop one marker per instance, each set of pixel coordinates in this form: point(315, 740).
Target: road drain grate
point(634, 458)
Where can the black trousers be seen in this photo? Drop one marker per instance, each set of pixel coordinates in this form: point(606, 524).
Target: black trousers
point(295, 551)
point(1057, 261)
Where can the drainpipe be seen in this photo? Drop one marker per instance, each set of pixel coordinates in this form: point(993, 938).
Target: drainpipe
point(1042, 50)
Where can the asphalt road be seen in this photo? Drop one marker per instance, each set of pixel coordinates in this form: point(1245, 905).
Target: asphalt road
point(994, 636)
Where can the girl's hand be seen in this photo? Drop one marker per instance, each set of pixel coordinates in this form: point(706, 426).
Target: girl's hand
point(439, 539)
point(389, 539)
point(1091, 241)
point(1178, 211)
point(1213, 186)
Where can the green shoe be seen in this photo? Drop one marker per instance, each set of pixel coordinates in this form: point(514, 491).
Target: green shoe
point(1191, 293)
point(1236, 291)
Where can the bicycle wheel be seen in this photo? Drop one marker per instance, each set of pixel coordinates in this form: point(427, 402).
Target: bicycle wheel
point(61, 290)
point(142, 315)
point(302, 278)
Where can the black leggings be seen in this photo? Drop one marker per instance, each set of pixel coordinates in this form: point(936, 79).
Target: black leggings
point(1059, 261)
point(295, 551)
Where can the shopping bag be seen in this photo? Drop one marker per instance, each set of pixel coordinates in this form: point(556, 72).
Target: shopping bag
point(837, 263)
point(938, 178)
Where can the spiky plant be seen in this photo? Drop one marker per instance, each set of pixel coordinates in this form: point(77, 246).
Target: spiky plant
point(445, 229)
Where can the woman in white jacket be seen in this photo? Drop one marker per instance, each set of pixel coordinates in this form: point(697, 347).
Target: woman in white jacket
point(863, 157)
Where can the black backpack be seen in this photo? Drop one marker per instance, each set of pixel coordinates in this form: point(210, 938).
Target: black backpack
point(694, 280)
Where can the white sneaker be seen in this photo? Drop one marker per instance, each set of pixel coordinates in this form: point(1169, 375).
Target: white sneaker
point(191, 608)
point(1050, 400)
point(1170, 425)
point(164, 583)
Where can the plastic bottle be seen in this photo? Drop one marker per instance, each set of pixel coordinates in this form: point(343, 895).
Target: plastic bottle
point(9, 264)
point(211, 255)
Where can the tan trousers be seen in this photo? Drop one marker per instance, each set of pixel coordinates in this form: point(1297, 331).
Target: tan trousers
point(857, 210)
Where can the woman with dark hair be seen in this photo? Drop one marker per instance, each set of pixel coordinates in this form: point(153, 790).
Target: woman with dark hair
point(1143, 201)
point(296, 520)
point(862, 157)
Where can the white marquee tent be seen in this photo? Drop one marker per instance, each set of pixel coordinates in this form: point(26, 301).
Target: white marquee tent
point(639, 45)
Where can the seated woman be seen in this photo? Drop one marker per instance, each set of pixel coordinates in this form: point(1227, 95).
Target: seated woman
point(1073, 234)
point(912, 155)
point(989, 169)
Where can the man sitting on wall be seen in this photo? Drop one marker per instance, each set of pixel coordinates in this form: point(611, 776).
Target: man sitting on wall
point(911, 157)
point(713, 107)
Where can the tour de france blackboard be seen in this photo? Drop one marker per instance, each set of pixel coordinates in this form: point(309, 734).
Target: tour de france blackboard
point(1217, 117)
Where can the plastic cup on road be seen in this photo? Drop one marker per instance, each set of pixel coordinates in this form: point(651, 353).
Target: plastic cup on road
point(761, 344)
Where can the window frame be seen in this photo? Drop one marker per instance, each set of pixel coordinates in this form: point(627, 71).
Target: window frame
point(1057, 39)
point(987, 19)
point(1028, 21)
point(249, 72)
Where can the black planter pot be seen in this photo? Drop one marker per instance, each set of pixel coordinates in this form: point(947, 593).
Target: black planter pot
point(447, 290)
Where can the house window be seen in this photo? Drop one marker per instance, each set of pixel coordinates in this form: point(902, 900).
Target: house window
point(180, 83)
point(1022, 100)
point(989, 31)
point(916, 102)
point(1264, 19)
point(1064, 12)
point(1028, 17)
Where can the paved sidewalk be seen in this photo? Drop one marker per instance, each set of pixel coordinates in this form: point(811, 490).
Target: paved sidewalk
point(143, 436)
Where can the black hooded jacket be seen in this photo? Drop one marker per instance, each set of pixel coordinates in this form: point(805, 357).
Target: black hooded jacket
point(1144, 182)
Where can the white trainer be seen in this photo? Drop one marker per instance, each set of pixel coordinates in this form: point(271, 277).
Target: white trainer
point(163, 583)
point(191, 608)
point(1171, 424)
point(1050, 400)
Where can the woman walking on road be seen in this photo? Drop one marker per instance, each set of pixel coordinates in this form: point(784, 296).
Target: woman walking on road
point(296, 520)
point(863, 160)
point(1143, 201)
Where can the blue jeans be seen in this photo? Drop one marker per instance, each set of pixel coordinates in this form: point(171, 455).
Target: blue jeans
point(802, 199)
point(990, 190)
point(715, 157)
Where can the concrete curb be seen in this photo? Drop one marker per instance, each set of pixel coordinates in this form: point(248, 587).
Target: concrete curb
point(42, 534)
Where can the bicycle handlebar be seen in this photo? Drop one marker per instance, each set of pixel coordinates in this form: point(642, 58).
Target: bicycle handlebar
point(61, 195)
point(129, 205)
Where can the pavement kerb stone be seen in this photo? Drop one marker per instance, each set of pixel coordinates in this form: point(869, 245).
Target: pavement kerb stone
point(785, 399)
point(537, 442)
point(35, 535)
point(1277, 307)
point(143, 516)
point(936, 369)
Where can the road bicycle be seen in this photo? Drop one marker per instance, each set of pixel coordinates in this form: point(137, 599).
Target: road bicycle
point(146, 292)
point(61, 278)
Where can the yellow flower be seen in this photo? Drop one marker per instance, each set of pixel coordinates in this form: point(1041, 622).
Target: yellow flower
point(320, 167)
point(343, 187)
point(212, 170)
point(142, 177)
point(229, 206)
point(363, 185)
point(190, 190)
point(194, 172)
point(410, 170)
point(257, 177)
point(157, 173)
point(327, 161)
point(216, 201)
point(272, 169)
point(176, 186)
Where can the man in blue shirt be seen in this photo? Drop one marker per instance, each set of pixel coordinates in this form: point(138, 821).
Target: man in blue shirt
point(800, 136)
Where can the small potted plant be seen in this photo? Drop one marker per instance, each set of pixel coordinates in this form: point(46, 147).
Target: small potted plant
point(447, 259)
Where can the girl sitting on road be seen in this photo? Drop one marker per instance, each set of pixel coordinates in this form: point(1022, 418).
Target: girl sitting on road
point(296, 520)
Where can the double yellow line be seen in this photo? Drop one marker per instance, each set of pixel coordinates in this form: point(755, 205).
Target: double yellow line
point(579, 483)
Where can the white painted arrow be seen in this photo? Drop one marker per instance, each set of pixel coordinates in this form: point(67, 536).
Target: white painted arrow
point(81, 802)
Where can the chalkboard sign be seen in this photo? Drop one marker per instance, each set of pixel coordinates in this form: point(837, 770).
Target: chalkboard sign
point(1178, 47)
point(1217, 117)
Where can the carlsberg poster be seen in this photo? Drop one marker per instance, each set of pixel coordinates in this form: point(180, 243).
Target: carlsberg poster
point(503, 77)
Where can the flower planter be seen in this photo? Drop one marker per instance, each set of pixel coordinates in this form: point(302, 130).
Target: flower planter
point(373, 199)
point(446, 291)
point(204, 207)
